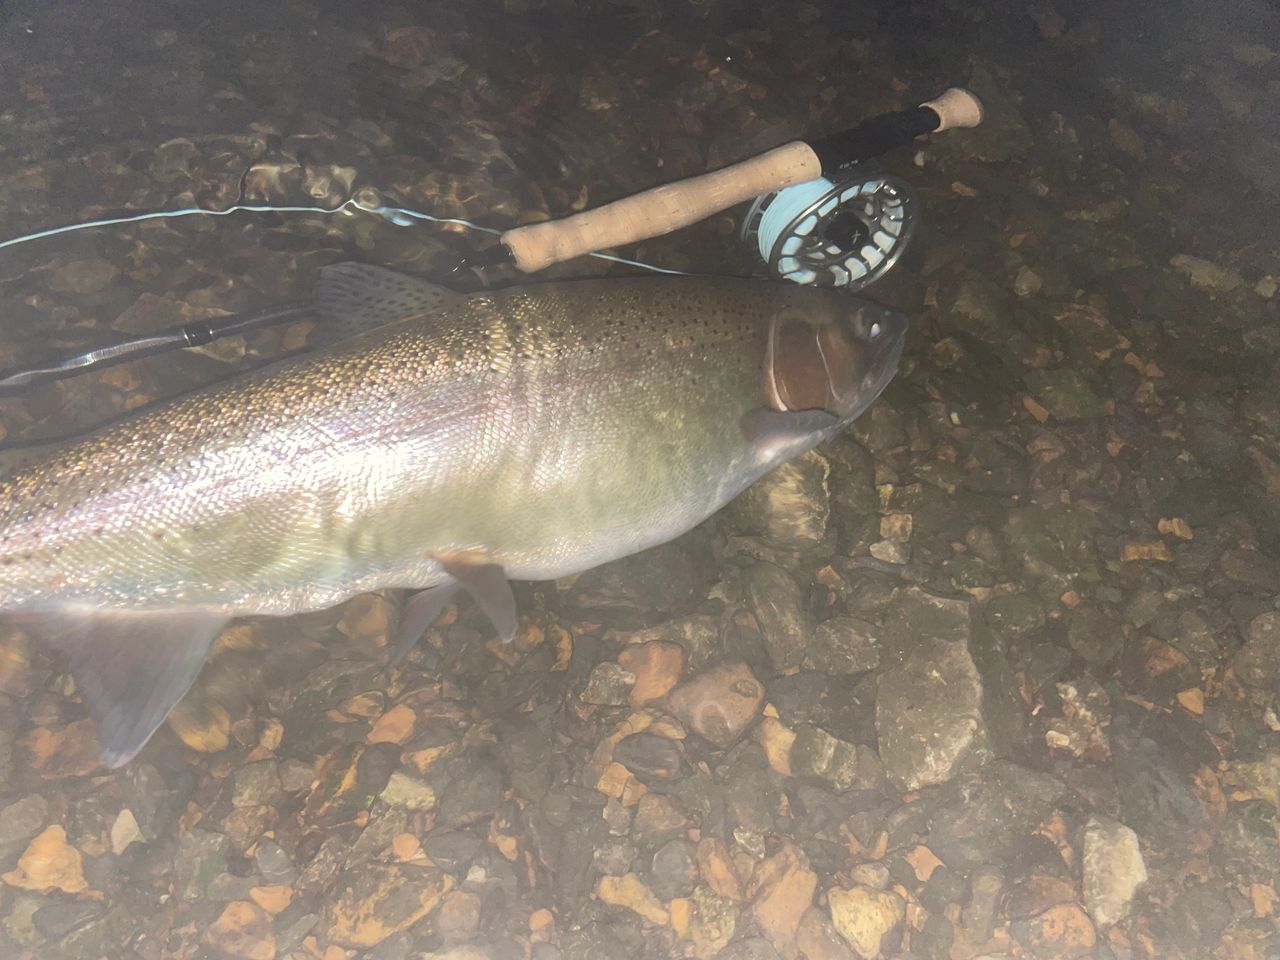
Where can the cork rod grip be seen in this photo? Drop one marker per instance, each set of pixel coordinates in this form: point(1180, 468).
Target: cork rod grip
point(660, 210)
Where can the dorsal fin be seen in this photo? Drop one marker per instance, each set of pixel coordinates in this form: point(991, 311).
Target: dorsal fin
point(351, 298)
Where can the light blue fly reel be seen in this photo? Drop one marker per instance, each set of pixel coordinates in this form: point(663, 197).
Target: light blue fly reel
point(847, 233)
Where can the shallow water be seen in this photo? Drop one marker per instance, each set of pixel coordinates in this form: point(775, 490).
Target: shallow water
point(1015, 637)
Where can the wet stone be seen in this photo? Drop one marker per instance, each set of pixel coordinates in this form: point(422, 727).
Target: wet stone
point(243, 930)
point(844, 706)
point(227, 887)
point(325, 864)
point(780, 892)
point(1252, 568)
point(459, 917)
point(124, 832)
point(656, 666)
point(626, 591)
point(788, 506)
point(475, 793)
point(1094, 635)
point(749, 948)
point(815, 753)
point(979, 916)
point(202, 856)
point(614, 858)
point(19, 822)
point(83, 276)
point(1257, 663)
point(992, 817)
point(257, 784)
point(650, 757)
point(843, 645)
point(1113, 869)
point(273, 863)
point(1065, 394)
point(1015, 614)
point(609, 685)
point(779, 607)
point(817, 938)
point(348, 780)
point(658, 819)
point(1063, 932)
point(720, 703)
point(1055, 544)
point(452, 850)
point(408, 792)
point(872, 874)
point(1082, 727)
point(58, 919)
point(630, 892)
point(375, 901)
point(674, 871)
point(929, 705)
point(1166, 797)
point(867, 918)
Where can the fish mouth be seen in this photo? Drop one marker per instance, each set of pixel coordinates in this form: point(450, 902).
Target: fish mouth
point(883, 365)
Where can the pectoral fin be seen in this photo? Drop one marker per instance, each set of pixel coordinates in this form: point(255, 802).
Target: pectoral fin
point(776, 433)
point(488, 586)
point(130, 667)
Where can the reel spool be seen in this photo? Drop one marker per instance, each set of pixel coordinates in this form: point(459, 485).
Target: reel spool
point(843, 234)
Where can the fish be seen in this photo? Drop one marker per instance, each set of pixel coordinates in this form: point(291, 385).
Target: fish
point(456, 443)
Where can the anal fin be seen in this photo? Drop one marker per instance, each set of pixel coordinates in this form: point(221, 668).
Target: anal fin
point(488, 586)
point(131, 667)
point(420, 611)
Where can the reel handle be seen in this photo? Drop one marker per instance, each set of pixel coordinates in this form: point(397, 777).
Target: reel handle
point(669, 207)
point(955, 107)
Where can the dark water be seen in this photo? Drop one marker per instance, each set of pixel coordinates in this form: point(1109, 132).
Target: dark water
point(1019, 632)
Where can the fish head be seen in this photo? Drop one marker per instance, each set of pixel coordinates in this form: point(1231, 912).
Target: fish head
point(832, 352)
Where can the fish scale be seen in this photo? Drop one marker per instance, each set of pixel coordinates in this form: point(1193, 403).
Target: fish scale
point(455, 443)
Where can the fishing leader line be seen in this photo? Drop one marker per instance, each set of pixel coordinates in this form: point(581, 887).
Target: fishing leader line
point(399, 216)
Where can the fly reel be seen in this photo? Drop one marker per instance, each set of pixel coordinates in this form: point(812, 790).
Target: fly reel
point(842, 234)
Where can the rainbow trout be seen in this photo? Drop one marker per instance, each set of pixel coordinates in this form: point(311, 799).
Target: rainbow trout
point(460, 442)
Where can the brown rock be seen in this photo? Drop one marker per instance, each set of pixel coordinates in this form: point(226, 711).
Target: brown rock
point(776, 740)
point(243, 930)
point(49, 863)
point(71, 751)
point(366, 619)
point(394, 726)
point(781, 891)
point(720, 703)
point(816, 938)
point(657, 666)
point(716, 868)
point(459, 917)
point(864, 916)
point(707, 921)
point(366, 705)
point(377, 900)
point(272, 898)
point(1064, 931)
point(630, 891)
point(202, 725)
point(345, 780)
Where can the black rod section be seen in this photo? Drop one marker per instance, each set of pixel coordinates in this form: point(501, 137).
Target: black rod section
point(874, 138)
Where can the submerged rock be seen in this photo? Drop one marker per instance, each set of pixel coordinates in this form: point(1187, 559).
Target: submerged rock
point(720, 703)
point(929, 701)
point(1113, 869)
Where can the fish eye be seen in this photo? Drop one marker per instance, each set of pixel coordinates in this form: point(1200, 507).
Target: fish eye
point(874, 332)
